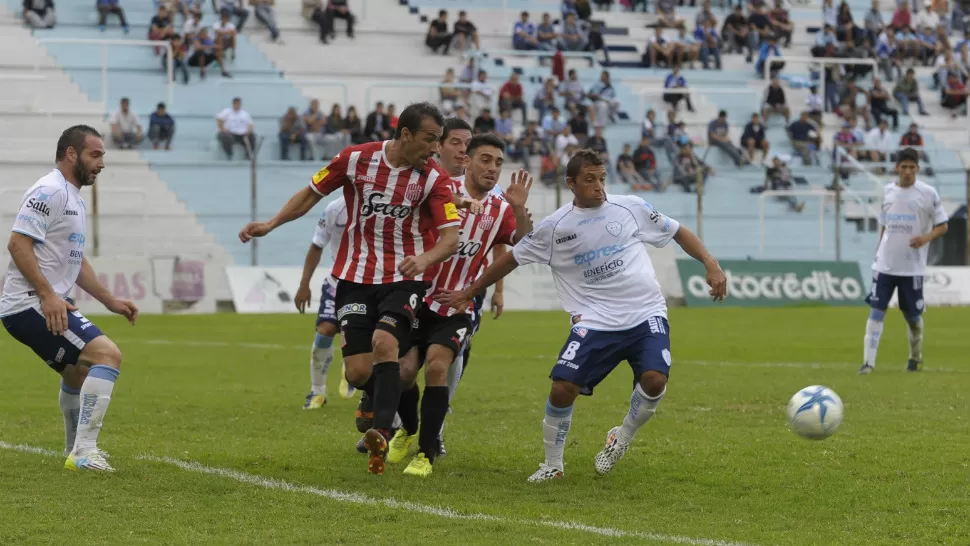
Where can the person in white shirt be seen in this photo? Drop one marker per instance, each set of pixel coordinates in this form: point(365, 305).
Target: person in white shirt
point(193, 24)
point(481, 96)
point(565, 140)
point(236, 127)
point(126, 129)
point(225, 34)
point(597, 249)
point(46, 261)
point(880, 142)
point(912, 217)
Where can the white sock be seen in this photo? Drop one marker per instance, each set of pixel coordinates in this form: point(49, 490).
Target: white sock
point(397, 421)
point(70, 402)
point(95, 397)
point(555, 427)
point(873, 332)
point(642, 408)
point(454, 375)
point(916, 339)
point(320, 359)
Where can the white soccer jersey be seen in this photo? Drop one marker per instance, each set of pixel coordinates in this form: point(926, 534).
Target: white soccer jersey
point(53, 215)
point(599, 260)
point(330, 227)
point(907, 213)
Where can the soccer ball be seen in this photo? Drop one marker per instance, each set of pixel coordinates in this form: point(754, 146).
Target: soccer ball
point(815, 412)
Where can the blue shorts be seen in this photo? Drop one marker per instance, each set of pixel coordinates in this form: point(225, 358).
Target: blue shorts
point(30, 328)
point(327, 311)
point(478, 308)
point(590, 355)
point(909, 289)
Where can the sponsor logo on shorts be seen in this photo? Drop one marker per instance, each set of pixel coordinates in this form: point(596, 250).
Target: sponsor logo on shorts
point(60, 356)
point(352, 309)
point(581, 332)
point(666, 354)
point(576, 318)
point(567, 364)
point(85, 326)
point(567, 238)
point(390, 321)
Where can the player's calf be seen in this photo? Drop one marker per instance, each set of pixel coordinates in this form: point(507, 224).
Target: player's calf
point(647, 394)
point(321, 356)
point(874, 326)
point(104, 359)
point(915, 334)
point(434, 404)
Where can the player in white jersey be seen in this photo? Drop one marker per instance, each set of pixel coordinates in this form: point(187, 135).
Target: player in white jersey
point(596, 247)
point(912, 216)
point(330, 229)
point(47, 259)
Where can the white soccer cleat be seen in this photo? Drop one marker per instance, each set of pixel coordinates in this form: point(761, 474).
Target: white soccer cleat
point(95, 460)
point(613, 452)
point(545, 473)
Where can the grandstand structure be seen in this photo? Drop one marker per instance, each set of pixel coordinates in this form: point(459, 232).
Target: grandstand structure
point(192, 201)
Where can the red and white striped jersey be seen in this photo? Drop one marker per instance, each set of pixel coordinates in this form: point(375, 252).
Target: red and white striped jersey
point(477, 236)
point(391, 213)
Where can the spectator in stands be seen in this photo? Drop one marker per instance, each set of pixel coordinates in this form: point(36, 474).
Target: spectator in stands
point(914, 139)
point(759, 29)
point(854, 102)
point(781, 23)
point(769, 49)
point(955, 96)
point(929, 47)
point(353, 128)
point(847, 141)
point(337, 9)
point(686, 168)
point(292, 131)
point(906, 91)
point(879, 99)
point(126, 131)
point(438, 36)
point(567, 8)
point(626, 171)
point(874, 24)
point(902, 18)
point(265, 14)
point(595, 42)
point(545, 99)
point(524, 34)
point(547, 39)
point(225, 34)
point(709, 43)
point(666, 15)
point(845, 29)
point(572, 91)
point(754, 139)
point(705, 16)
point(944, 66)
point(659, 51)
point(735, 31)
point(888, 55)
point(111, 7)
point(484, 123)
point(926, 18)
point(335, 138)
point(204, 52)
point(465, 33)
point(461, 112)
point(553, 125)
point(649, 124)
point(687, 48)
point(236, 127)
point(579, 127)
point(315, 123)
point(392, 116)
point(179, 61)
point(564, 140)
point(603, 102)
point(39, 13)
point(645, 163)
point(530, 144)
point(377, 126)
point(505, 128)
point(482, 92)
point(775, 102)
point(597, 143)
point(816, 105)
point(879, 143)
point(450, 95)
point(805, 139)
point(778, 178)
point(192, 26)
point(824, 40)
point(236, 10)
point(512, 97)
point(717, 135)
point(573, 38)
point(676, 81)
point(161, 128)
point(161, 27)
point(830, 15)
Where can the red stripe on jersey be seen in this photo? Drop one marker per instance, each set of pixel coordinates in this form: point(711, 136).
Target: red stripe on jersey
point(478, 235)
point(391, 213)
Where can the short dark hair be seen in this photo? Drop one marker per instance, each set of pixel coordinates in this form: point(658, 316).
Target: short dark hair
point(453, 124)
point(484, 139)
point(581, 159)
point(74, 137)
point(160, 105)
point(412, 116)
point(442, 12)
point(907, 154)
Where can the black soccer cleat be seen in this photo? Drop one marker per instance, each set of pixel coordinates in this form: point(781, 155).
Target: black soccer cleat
point(914, 365)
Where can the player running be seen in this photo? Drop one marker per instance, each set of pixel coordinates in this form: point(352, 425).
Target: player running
point(330, 228)
point(47, 259)
point(912, 216)
point(402, 223)
point(443, 330)
point(595, 247)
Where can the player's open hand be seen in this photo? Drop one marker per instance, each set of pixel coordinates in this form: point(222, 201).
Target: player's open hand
point(55, 309)
point(254, 229)
point(717, 281)
point(452, 298)
point(498, 304)
point(518, 191)
point(412, 266)
point(302, 298)
point(918, 241)
point(126, 308)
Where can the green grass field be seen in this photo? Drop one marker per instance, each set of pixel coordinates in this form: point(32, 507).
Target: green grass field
point(212, 447)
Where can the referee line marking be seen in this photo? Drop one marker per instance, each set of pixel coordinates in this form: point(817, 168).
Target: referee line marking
point(405, 506)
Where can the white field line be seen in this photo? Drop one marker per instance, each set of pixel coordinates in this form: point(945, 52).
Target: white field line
point(406, 506)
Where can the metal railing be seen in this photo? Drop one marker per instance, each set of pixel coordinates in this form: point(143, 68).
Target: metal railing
point(589, 56)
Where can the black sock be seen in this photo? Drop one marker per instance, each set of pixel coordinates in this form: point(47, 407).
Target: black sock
point(367, 387)
point(387, 393)
point(465, 356)
point(408, 409)
point(434, 406)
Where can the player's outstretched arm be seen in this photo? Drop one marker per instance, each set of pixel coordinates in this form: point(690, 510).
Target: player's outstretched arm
point(310, 264)
point(87, 279)
point(498, 270)
point(297, 206)
point(53, 307)
point(694, 248)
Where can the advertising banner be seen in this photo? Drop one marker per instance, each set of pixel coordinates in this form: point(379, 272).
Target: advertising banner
point(271, 289)
point(944, 286)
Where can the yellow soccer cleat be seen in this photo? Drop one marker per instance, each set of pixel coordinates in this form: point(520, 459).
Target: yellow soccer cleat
point(346, 389)
point(315, 401)
point(420, 466)
point(400, 446)
point(95, 460)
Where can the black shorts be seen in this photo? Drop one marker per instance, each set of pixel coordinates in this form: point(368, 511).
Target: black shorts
point(434, 329)
point(363, 308)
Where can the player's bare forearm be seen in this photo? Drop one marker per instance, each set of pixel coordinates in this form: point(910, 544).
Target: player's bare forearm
point(495, 272)
point(694, 248)
point(21, 249)
point(310, 264)
point(523, 222)
point(88, 281)
point(497, 252)
point(446, 246)
point(939, 230)
point(298, 205)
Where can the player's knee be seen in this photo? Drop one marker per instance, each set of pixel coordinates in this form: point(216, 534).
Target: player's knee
point(653, 383)
point(103, 351)
point(915, 323)
point(327, 329)
point(357, 368)
point(563, 393)
point(74, 376)
point(385, 346)
point(877, 315)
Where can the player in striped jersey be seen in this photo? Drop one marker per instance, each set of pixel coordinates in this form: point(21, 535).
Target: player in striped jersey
point(402, 223)
point(442, 329)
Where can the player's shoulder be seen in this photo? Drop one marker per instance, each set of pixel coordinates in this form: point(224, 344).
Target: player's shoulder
point(626, 201)
point(925, 188)
point(50, 185)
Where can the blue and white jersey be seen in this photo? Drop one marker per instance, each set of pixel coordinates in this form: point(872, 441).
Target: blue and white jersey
point(54, 216)
point(599, 260)
point(907, 213)
point(330, 226)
